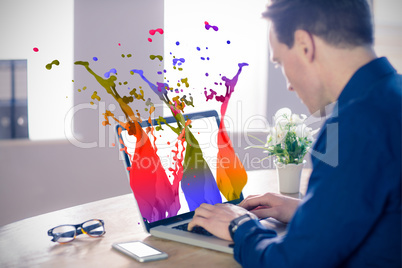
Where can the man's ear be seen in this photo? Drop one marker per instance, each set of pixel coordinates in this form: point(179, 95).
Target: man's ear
point(304, 42)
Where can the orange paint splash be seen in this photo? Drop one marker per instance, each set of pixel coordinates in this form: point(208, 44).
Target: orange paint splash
point(231, 175)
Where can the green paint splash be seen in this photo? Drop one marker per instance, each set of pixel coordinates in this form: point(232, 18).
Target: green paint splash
point(50, 65)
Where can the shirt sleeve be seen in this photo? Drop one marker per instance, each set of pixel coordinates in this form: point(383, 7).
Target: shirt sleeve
point(343, 204)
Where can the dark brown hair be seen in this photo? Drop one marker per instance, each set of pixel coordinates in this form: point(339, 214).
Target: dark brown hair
point(341, 23)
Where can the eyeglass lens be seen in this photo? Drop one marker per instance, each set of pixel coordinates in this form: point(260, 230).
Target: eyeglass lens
point(64, 233)
point(93, 228)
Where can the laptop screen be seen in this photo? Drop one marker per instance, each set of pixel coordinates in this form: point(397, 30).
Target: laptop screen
point(189, 161)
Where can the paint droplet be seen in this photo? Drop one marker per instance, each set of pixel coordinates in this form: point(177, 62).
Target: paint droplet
point(177, 43)
point(159, 30)
point(119, 44)
point(35, 49)
point(149, 39)
point(198, 48)
point(208, 26)
point(49, 65)
point(152, 57)
point(95, 58)
point(206, 74)
point(113, 144)
point(95, 96)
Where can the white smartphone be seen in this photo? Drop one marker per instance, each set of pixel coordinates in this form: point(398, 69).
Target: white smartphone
point(140, 251)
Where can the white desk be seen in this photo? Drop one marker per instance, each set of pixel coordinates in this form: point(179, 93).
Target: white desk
point(26, 244)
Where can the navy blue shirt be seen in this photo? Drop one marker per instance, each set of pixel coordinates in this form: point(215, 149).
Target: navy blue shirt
point(351, 214)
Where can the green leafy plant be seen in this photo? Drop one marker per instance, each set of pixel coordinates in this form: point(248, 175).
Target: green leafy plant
point(289, 139)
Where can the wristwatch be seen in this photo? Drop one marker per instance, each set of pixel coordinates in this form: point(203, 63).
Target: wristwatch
point(234, 224)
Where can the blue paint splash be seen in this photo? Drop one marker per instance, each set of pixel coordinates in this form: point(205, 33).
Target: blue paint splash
point(107, 74)
point(181, 60)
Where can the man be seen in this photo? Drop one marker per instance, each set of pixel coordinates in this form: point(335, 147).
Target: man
point(351, 214)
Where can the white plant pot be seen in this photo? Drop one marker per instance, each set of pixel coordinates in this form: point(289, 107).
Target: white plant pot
point(289, 177)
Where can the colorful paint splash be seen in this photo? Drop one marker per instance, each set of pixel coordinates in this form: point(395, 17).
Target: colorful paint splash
point(196, 174)
point(157, 196)
point(151, 187)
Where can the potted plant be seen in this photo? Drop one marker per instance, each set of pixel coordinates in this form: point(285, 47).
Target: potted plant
point(289, 140)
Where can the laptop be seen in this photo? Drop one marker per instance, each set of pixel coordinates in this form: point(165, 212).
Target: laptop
point(205, 127)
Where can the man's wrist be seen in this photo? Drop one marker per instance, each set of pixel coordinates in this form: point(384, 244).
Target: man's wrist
point(235, 224)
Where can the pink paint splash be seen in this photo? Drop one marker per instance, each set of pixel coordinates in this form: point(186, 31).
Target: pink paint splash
point(159, 30)
point(35, 49)
point(148, 180)
point(210, 96)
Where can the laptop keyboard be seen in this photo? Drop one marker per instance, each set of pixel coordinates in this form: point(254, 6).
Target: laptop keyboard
point(196, 229)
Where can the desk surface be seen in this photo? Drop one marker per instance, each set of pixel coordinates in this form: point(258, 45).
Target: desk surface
point(26, 244)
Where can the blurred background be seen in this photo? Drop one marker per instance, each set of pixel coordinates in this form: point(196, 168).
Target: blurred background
point(54, 150)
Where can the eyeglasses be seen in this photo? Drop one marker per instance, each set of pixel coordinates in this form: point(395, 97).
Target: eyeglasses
point(67, 233)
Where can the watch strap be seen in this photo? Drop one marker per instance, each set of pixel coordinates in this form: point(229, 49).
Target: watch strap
point(234, 224)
